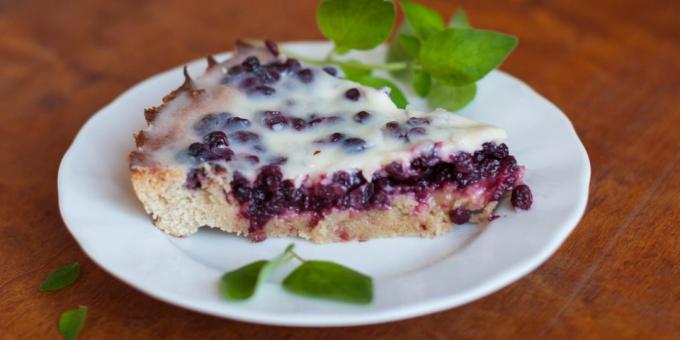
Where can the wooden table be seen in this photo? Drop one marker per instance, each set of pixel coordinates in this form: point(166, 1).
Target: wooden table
point(612, 66)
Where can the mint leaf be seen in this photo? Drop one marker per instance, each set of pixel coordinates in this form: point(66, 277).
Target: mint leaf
point(459, 19)
point(329, 280)
point(60, 278)
point(354, 73)
point(241, 284)
point(275, 263)
point(356, 24)
point(410, 44)
point(71, 322)
point(459, 56)
point(396, 94)
point(422, 83)
point(395, 53)
point(424, 20)
point(451, 98)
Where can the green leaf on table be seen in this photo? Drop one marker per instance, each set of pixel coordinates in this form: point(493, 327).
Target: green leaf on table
point(241, 284)
point(422, 82)
point(356, 24)
point(329, 280)
point(60, 278)
point(71, 322)
point(459, 19)
point(410, 44)
point(396, 94)
point(458, 56)
point(424, 20)
point(451, 98)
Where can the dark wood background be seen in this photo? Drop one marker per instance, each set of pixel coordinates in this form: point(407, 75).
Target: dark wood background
point(613, 66)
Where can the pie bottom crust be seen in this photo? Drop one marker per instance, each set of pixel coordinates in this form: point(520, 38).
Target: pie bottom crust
point(180, 212)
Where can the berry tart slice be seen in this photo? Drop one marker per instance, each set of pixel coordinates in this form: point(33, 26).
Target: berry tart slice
point(261, 145)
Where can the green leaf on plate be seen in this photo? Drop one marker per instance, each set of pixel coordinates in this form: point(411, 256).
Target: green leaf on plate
point(241, 284)
point(329, 280)
point(458, 56)
point(351, 72)
point(60, 278)
point(424, 20)
point(356, 24)
point(396, 94)
point(422, 82)
point(451, 98)
point(71, 322)
point(410, 44)
point(459, 19)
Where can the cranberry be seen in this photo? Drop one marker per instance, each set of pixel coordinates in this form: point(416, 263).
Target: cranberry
point(521, 197)
point(305, 75)
point(361, 116)
point(460, 215)
point(272, 47)
point(352, 94)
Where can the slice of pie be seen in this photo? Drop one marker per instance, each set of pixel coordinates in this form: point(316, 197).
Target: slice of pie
point(261, 145)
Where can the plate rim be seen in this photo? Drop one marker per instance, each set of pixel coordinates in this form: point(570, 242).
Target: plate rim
point(423, 307)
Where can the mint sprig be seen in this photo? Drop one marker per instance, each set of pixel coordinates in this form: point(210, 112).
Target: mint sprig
point(442, 62)
point(318, 279)
point(60, 278)
point(241, 284)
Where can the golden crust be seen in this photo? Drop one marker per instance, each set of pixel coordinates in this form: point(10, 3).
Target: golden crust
point(179, 211)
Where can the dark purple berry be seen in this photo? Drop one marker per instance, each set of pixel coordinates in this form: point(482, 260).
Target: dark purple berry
point(417, 131)
point(417, 121)
point(331, 70)
point(354, 145)
point(276, 123)
point(460, 215)
point(291, 65)
point(361, 116)
point(245, 136)
point(263, 89)
point(324, 120)
point(251, 64)
point(298, 124)
point(352, 94)
point(272, 47)
point(210, 122)
point(249, 82)
point(305, 75)
point(236, 123)
point(236, 70)
point(521, 197)
point(194, 178)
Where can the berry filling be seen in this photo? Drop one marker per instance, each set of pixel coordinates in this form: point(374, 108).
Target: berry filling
point(488, 174)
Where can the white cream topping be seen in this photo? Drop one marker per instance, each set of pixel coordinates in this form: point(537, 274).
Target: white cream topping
point(324, 96)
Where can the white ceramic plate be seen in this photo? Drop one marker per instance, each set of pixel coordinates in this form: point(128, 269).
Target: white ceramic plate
point(412, 276)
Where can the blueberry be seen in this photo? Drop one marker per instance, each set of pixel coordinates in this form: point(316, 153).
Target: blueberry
point(210, 122)
point(352, 94)
point(276, 123)
point(251, 64)
point(416, 121)
point(236, 123)
point(305, 75)
point(263, 89)
point(298, 124)
point(331, 70)
point(354, 145)
point(245, 136)
point(361, 116)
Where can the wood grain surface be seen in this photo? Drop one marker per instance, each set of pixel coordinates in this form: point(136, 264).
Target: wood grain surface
point(613, 67)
